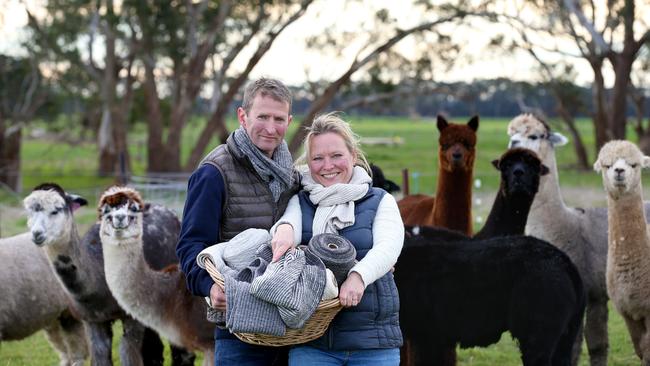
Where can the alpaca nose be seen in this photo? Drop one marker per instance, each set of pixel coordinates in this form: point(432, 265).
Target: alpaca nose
point(119, 219)
point(456, 156)
point(619, 171)
point(38, 237)
point(518, 172)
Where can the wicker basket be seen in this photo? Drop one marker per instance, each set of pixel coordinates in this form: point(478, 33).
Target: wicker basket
point(314, 327)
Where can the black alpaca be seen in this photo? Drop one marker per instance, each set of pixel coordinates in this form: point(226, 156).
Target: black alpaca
point(520, 174)
point(456, 290)
point(379, 180)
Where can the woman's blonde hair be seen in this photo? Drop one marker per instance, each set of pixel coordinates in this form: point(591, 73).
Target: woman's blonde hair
point(333, 123)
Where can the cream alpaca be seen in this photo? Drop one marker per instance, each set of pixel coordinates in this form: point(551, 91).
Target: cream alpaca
point(628, 256)
point(159, 299)
point(580, 233)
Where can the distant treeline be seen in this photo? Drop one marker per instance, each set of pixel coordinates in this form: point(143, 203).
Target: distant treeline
point(490, 98)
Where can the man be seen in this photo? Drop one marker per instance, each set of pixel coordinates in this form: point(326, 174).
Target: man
point(244, 183)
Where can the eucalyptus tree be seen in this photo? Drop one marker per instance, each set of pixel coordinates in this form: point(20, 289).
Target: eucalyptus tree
point(22, 92)
point(87, 38)
point(609, 36)
point(172, 51)
point(189, 47)
point(369, 47)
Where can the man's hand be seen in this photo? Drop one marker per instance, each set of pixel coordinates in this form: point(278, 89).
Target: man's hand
point(282, 241)
point(351, 290)
point(217, 298)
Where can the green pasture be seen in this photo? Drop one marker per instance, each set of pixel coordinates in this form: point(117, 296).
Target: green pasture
point(72, 164)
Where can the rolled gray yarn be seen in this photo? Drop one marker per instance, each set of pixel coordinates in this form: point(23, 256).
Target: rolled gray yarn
point(336, 252)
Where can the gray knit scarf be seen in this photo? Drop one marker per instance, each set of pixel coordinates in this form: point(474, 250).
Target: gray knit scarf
point(277, 172)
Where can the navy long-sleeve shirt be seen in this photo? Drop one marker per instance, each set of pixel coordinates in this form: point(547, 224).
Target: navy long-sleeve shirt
point(200, 225)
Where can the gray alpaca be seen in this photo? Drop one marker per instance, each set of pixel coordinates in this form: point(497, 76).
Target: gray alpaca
point(79, 265)
point(32, 299)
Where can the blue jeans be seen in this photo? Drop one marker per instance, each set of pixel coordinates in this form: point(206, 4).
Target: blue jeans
point(233, 352)
point(312, 356)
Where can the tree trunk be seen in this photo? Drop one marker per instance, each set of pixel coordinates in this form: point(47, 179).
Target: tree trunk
point(216, 124)
point(108, 149)
point(578, 145)
point(106, 144)
point(600, 120)
point(10, 140)
point(618, 108)
point(644, 142)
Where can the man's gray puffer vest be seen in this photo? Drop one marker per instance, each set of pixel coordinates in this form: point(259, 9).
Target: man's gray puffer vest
point(374, 322)
point(248, 201)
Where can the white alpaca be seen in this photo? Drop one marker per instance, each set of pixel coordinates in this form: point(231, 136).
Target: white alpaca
point(628, 256)
point(580, 233)
point(32, 299)
point(159, 299)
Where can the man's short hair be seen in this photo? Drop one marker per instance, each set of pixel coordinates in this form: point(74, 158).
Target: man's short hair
point(267, 88)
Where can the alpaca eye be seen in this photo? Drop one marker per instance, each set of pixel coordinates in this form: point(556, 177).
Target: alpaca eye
point(533, 137)
point(634, 165)
point(56, 211)
point(134, 208)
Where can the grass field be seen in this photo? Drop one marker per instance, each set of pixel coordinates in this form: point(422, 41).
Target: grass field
point(73, 166)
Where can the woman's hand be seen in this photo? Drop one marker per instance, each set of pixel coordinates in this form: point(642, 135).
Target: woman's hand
point(351, 290)
point(217, 298)
point(282, 241)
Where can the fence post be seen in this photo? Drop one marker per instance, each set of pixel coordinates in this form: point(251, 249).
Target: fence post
point(405, 181)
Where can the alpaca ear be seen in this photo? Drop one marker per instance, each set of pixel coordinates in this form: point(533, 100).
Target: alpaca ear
point(442, 123)
point(473, 123)
point(543, 170)
point(557, 139)
point(645, 162)
point(495, 163)
point(597, 166)
point(76, 201)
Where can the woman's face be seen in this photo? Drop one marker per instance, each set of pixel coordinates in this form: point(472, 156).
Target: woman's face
point(330, 161)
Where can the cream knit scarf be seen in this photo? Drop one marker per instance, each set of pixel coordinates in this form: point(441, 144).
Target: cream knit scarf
point(335, 204)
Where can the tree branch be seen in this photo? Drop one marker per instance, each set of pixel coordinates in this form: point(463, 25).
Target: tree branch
point(601, 46)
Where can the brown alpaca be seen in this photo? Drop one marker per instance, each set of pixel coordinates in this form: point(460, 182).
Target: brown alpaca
point(452, 205)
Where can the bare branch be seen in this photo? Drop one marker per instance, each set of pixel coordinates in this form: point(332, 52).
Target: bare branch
point(601, 46)
point(236, 49)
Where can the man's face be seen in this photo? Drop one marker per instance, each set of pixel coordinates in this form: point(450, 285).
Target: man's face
point(266, 122)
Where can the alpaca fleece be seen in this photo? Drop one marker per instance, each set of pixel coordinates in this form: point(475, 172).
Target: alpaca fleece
point(469, 292)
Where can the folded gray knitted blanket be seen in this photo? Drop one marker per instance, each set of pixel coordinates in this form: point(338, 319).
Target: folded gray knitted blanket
point(267, 297)
point(246, 312)
point(336, 252)
point(295, 284)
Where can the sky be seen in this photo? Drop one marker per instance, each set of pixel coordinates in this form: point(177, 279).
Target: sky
point(289, 61)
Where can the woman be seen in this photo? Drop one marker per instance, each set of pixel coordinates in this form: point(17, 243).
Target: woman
point(337, 197)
